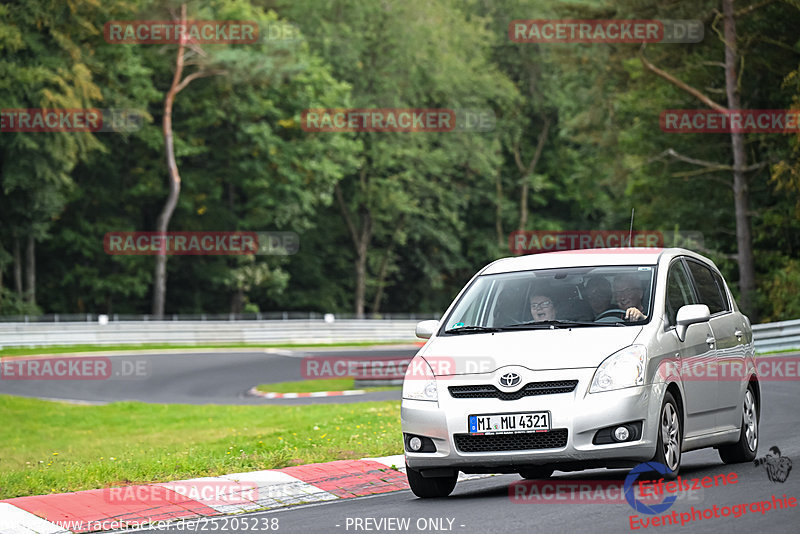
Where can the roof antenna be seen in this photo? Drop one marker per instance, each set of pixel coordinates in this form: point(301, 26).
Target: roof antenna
point(630, 233)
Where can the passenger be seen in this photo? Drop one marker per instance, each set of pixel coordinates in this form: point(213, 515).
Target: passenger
point(628, 294)
point(542, 308)
point(598, 295)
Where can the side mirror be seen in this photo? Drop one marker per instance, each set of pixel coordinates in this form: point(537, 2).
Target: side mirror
point(689, 315)
point(425, 329)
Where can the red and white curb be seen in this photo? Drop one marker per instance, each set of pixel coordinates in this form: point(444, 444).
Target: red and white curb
point(270, 395)
point(141, 505)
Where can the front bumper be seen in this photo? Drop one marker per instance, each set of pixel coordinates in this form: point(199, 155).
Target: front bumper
point(577, 413)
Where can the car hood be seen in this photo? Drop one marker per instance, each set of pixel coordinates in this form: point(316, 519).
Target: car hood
point(536, 350)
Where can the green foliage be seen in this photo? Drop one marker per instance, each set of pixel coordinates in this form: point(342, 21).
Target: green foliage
point(429, 208)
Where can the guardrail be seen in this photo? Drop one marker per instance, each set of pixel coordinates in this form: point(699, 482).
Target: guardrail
point(205, 332)
point(784, 335)
point(259, 316)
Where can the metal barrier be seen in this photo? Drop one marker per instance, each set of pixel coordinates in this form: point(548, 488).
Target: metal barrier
point(205, 332)
point(784, 335)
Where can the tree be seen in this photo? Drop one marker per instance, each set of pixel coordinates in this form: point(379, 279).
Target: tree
point(407, 184)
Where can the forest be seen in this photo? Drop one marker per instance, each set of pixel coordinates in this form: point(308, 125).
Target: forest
point(386, 221)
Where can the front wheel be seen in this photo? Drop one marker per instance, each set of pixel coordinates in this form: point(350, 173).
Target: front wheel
point(668, 448)
point(744, 450)
point(426, 488)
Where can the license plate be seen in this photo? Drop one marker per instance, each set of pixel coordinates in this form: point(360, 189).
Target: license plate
point(509, 423)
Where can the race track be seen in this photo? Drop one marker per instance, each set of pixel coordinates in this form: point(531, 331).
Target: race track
point(219, 377)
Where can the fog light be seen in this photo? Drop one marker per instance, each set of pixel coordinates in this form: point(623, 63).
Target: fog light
point(621, 433)
point(415, 443)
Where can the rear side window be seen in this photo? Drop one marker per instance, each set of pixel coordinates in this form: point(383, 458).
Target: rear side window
point(679, 291)
point(721, 284)
point(710, 294)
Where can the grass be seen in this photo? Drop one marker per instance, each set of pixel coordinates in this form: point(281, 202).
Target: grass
point(783, 351)
point(53, 447)
point(324, 384)
point(64, 349)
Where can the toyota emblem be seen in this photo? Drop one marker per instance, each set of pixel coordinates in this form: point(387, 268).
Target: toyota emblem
point(509, 380)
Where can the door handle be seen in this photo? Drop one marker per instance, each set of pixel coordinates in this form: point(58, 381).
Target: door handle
point(738, 335)
point(710, 340)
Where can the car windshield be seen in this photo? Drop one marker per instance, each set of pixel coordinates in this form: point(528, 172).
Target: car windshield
point(549, 298)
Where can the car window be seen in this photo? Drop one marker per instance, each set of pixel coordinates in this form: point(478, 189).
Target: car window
point(582, 294)
point(679, 292)
point(707, 288)
point(721, 284)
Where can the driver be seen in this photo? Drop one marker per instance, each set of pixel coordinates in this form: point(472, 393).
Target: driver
point(598, 295)
point(628, 294)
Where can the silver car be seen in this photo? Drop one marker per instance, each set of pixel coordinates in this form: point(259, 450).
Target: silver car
point(581, 359)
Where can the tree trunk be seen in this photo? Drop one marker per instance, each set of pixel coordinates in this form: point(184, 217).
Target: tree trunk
point(15, 251)
point(376, 302)
point(237, 301)
point(361, 239)
point(30, 270)
point(361, 281)
point(498, 216)
point(744, 240)
point(527, 172)
point(160, 275)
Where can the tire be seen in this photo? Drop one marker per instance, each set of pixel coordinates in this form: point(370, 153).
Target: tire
point(670, 437)
point(536, 472)
point(745, 449)
point(426, 488)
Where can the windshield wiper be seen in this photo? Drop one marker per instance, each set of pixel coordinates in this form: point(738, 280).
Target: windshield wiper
point(471, 329)
point(559, 323)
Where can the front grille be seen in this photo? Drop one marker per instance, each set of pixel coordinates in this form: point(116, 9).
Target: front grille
point(488, 391)
point(554, 439)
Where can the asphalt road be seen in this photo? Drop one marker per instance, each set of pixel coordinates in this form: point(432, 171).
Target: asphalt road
point(199, 378)
point(484, 505)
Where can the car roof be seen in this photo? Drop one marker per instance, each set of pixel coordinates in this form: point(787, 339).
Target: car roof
point(588, 258)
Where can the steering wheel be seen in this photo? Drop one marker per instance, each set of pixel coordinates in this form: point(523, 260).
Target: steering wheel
point(608, 313)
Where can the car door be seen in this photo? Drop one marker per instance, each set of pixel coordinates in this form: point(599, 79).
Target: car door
point(725, 325)
point(695, 352)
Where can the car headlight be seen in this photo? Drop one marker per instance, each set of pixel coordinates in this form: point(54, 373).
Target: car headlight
point(623, 369)
point(420, 382)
